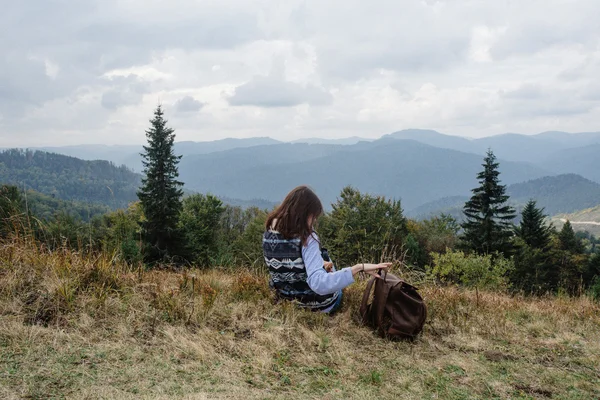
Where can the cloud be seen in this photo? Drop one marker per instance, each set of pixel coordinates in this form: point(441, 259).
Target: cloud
point(273, 92)
point(126, 91)
point(526, 91)
point(188, 104)
point(80, 72)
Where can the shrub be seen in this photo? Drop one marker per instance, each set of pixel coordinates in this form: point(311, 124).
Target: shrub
point(248, 286)
point(471, 270)
point(362, 227)
point(199, 222)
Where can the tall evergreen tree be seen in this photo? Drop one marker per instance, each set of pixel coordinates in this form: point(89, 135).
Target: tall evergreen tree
point(160, 194)
point(568, 240)
point(488, 225)
point(532, 229)
point(533, 270)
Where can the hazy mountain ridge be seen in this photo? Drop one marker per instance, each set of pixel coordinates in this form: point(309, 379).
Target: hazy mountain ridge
point(583, 220)
point(404, 169)
point(565, 193)
point(399, 165)
point(69, 178)
point(541, 149)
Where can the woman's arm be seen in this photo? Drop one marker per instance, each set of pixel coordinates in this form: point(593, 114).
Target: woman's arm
point(324, 283)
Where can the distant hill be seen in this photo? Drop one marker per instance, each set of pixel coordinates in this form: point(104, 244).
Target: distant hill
point(584, 161)
point(583, 220)
point(403, 169)
point(537, 149)
point(452, 205)
point(260, 203)
point(557, 194)
point(437, 139)
point(69, 178)
point(129, 155)
point(45, 207)
point(344, 141)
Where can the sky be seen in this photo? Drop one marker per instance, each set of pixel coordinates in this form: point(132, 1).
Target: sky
point(83, 72)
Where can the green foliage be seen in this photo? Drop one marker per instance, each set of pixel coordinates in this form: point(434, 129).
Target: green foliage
point(488, 225)
point(46, 207)
point(594, 289)
point(119, 232)
point(364, 228)
point(199, 223)
point(160, 194)
point(69, 178)
point(240, 236)
point(533, 229)
point(568, 240)
point(65, 230)
point(11, 209)
point(433, 235)
point(535, 271)
point(479, 271)
point(248, 246)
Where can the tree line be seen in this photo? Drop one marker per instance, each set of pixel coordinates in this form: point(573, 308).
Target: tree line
point(164, 227)
point(69, 178)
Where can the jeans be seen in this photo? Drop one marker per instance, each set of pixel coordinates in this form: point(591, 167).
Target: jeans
point(337, 305)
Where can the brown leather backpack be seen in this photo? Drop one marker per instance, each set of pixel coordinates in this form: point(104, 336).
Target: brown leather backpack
point(397, 310)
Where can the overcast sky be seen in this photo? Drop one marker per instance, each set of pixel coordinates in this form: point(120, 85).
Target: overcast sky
point(92, 71)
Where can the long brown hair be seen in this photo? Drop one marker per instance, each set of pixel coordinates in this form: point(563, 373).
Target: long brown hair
point(291, 217)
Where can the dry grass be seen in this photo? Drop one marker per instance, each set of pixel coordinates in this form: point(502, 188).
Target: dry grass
point(73, 326)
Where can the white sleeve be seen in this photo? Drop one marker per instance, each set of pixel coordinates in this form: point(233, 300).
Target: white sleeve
point(319, 280)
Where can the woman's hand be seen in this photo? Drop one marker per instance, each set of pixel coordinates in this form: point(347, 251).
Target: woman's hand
point(328, 265)
point(370, 269)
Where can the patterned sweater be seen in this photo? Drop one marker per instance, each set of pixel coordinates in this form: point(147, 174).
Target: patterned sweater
point(289, 275)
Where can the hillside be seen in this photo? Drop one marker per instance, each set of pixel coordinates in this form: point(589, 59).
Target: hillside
point(129, 155)
point(538, 149)
point(557, 194)
point(405, 169)
point(97, 329)
point(69, 178)
point(583, 220)
point(584, 161)
point(45, 207)
point(541, 149)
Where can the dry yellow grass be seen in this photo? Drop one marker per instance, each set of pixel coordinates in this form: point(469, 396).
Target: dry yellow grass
point(80, 327)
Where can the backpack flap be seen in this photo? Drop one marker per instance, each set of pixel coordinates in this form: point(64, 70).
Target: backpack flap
point(407, 311)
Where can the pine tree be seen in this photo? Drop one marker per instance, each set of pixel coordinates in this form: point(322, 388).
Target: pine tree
point(160, 194)
point(568, 241)
point(488, 225)
point(532, 229)
point(533, 270)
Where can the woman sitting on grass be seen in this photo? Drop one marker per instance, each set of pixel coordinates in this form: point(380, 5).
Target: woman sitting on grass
point(293, 254)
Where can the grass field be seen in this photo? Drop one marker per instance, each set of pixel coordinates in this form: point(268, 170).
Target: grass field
point(90, 327)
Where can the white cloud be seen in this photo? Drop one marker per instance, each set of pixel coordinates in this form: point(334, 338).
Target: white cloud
point(84, 72)
point(188, 104)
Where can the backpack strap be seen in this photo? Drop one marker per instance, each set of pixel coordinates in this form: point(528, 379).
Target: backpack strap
point(382, 300)
point(365, 300)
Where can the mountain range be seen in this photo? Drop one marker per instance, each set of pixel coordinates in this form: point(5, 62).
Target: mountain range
point(558, 194)
point(426, 169)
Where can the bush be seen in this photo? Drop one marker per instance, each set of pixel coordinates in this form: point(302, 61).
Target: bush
point(240, 236)
point(471, 270)
point(363, 228)
point(199, 221)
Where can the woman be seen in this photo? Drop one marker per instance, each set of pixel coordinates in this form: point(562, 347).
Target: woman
point(293, 254)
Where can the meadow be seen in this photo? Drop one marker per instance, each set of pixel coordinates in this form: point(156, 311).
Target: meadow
point(83, 326)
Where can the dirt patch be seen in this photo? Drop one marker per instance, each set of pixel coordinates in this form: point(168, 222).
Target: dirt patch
point(497, 356)
point(533, 390)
